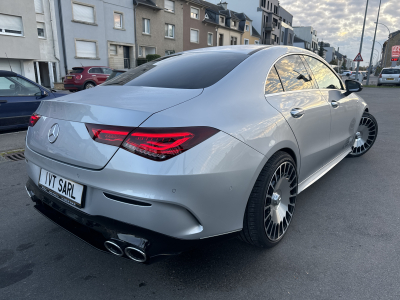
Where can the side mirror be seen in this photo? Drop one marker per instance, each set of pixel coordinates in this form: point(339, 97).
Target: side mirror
point(353, 86)
point(43, 94)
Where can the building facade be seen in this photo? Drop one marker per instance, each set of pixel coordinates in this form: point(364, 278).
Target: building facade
point(308, 34)
point(394, 40)
point(267, 19)
point(28, 40)
point(159, 27)
point(95, 33)
point(330, 54)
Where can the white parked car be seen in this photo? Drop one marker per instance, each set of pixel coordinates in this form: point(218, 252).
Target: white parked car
point(346, 73)
point(363, 74)
point(389, 76)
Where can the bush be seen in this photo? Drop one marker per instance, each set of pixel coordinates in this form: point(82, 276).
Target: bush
point(141, 61)
point(151, 57)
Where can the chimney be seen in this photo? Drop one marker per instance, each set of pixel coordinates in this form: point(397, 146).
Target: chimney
point(224, 4)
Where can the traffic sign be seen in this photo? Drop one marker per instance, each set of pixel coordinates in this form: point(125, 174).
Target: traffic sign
point(396, 51)
point(358, 57)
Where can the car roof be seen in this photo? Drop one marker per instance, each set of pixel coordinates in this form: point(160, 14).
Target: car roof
point(88, 67)
point(4, 73)
point(244, 49)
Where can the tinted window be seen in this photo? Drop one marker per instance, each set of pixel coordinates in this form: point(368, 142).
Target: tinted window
point(293, 74)
point(107, 71)
point(183, 71)
point(326, 79)
point(96, 71)
point(273, 84)
point(76, 70)
point(391, 71)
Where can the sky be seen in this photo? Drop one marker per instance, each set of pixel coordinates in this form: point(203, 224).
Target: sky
point(340, 22)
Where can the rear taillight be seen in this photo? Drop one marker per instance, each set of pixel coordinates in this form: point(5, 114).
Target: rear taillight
point(79, 77)
point(164, 143)
point(33, 120)
point(110, 135)
point(380, 75)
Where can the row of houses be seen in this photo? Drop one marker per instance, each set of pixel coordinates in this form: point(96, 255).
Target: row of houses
point(44, 39)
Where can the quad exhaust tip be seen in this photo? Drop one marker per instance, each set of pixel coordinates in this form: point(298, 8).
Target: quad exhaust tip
point(135, 254)
point(113, 248)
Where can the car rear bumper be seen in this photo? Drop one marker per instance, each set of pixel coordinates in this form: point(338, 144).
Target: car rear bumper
point(385, 81)
point(70, 86)
point(96, 230)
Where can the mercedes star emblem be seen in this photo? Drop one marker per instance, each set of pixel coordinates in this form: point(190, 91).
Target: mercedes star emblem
point(53, 133)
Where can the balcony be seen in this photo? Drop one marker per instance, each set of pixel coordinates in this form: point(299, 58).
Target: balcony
point(270, 26)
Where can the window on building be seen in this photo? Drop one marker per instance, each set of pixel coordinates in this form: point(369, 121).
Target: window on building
point(273, 84)
point(169, 31)
point(268, 5)
point(233, 23)
point(118, 20)
point(220, 39)
point(10, 25)
point(209, 39)
point(194, 13)
point(247, 27)
point(246, 41)
point(222, 20)
point(194, 36)
point(169, 52)
point(86, 49)
point(140, 51)
point(83, 13)
point(39, 6)
point(293, 73)
point(113, 49)
point(169, 5)
point(282, 37)
point(41, 30)
point(233, 40)
point(146, 26)
point(275, 9)
point(325, 78)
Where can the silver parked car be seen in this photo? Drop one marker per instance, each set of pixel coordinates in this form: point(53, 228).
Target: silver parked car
point(194, 147)
point(389, 76)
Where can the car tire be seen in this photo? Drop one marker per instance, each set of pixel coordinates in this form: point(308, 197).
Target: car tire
point(89, 85)
point(274, 192)
point(366, 135)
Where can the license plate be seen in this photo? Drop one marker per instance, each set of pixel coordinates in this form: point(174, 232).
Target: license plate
point(61, 188)
point(389, 78)
point(69, 77)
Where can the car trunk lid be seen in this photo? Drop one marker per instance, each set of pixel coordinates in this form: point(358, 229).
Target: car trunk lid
point(111, 105)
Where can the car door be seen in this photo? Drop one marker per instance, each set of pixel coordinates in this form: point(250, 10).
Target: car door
point(344, 108)
point(19, 98)
point(291, 90)
point(96, 74)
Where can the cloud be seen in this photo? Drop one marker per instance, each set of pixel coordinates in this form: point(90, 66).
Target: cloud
point(340, 22)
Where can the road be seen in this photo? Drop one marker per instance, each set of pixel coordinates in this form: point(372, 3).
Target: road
point(343, 243)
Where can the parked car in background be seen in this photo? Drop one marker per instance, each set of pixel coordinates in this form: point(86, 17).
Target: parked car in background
point(346, 73)
point(116, 73)
point(19, 98)
point(362, 73)
point(389, 76)
point(82, 78)
point(194, 148)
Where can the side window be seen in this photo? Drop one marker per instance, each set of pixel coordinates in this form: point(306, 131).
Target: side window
point(96, 71)
point(293, 74)
point(16, 86)
point(273, 84)
point(326, 79)
point(107, 71)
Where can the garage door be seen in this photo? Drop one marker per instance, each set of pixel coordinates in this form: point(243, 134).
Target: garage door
point(15, 64)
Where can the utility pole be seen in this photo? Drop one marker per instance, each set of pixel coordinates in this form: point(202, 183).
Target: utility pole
point(373, 43)
point(362, 37)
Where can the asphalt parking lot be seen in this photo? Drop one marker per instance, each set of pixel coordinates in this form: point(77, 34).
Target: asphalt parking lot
point(344, 241)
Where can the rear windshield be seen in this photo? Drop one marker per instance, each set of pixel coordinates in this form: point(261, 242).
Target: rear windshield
point(182, 71)
point(391, 71)
point(77, 70)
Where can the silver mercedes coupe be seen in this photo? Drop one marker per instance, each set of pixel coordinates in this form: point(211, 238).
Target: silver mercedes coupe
point(193, 148)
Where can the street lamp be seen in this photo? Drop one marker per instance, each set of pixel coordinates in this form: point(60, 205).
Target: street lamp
point(384, 55)
point(373, 43)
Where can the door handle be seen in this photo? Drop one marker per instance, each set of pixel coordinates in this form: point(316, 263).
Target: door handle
point(335, 104)
point(297, 112)
point(3, 101)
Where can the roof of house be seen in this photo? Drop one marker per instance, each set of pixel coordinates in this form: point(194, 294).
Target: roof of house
point(255, 33)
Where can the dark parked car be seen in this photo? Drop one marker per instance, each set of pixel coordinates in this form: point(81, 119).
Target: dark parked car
point(116, 73)
point(19, 98)
point(81, 78)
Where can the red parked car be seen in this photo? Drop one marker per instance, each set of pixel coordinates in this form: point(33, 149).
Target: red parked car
point(81, 78)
